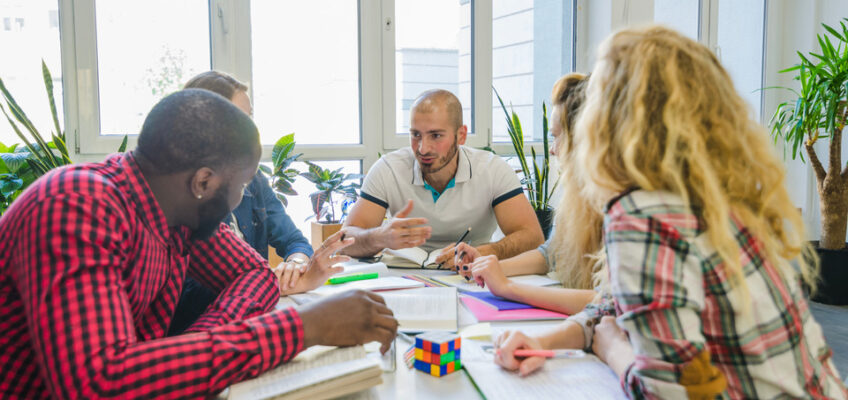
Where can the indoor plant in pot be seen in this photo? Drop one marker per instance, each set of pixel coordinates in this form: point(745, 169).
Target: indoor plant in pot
point(328, 182)
point(536, 176)
point(22, 164)
point(820, 111)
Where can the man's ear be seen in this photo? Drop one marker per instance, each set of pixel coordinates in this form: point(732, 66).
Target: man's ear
point(204, 183)
point(461, 134)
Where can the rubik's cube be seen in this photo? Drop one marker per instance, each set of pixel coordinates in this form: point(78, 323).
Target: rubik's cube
point(437, 353)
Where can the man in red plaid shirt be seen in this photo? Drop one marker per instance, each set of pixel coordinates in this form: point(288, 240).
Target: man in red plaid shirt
point(94, 256)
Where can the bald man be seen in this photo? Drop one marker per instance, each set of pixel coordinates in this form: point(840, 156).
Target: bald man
point(437, 188)
point(94, 257)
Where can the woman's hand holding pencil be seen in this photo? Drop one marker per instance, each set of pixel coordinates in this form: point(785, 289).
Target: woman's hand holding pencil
point(508, 343)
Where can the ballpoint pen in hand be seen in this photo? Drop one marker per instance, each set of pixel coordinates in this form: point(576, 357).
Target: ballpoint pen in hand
point(461, 238)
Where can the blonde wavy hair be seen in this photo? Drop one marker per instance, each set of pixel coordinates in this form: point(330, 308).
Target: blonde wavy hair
point(662, 114)
point(577, 237)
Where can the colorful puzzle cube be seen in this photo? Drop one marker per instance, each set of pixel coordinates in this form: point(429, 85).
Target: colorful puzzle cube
point(437, 353)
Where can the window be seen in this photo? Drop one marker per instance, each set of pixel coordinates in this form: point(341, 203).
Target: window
point(682, 15)
point(341, 75)
point(305, 70)
point(135, 70)
point(531, 49)
point(432, 51)
point(740, 47)
point(24, 46)
point(53, 18)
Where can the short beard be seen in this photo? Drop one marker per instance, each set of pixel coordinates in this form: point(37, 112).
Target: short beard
point(429, 170)
point(211, 214)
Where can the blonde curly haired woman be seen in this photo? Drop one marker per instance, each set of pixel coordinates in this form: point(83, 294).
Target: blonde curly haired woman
point(565, 252)
point(705, 250)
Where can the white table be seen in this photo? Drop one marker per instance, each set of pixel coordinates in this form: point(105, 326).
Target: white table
point(405, 383)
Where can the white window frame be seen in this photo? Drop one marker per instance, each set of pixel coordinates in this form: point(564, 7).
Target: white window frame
point(230, 50)
point(481, 72)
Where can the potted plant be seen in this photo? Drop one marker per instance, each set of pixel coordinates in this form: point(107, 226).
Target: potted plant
point(535, 175)
point(327, 221)
point(820, 111)
point(20, 165)
point(283, 174)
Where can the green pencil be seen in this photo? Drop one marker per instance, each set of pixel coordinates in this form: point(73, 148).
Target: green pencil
point(350, 278)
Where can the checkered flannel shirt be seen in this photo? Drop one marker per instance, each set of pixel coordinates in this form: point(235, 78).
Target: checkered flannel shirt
point(90, 274)
point(673, 297)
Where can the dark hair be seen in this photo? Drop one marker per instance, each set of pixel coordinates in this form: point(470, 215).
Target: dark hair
point(216, 81)
point(196, 128)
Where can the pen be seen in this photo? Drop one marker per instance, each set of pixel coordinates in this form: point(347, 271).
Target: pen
point(456, 244)
point(350, 278)
point(560, 353)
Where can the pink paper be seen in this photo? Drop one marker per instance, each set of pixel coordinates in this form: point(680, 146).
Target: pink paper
point(486, 313)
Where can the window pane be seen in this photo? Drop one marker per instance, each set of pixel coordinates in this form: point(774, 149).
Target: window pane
point(531, 49)
point(299, 208)
point(145, 51)
point(682, 15)
point(27, 36)
point(740, 47)
point(432, 51)
point(306, 70)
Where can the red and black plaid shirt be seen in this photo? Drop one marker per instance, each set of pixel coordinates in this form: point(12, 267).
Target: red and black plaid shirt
point(90, 274)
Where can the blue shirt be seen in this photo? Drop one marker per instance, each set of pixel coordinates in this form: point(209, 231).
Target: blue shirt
point(263, 221)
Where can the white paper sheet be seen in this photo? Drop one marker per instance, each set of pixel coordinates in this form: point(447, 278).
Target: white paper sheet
point(583, 378)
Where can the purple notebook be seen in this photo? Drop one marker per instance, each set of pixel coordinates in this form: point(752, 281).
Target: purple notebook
point(498, 302)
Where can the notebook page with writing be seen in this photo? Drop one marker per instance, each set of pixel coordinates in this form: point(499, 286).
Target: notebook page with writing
point(315, 365)
point(424, 309)
point(581, 378)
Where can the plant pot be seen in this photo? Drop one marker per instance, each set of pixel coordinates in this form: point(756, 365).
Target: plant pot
point(546, 220)
point(321, 231)
point(833, 276)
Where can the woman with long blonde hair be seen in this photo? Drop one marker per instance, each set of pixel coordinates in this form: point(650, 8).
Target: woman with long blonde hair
point(566, 251)
point(705, 251)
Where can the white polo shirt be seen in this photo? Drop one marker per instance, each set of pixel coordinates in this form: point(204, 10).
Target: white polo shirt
point(482, 181)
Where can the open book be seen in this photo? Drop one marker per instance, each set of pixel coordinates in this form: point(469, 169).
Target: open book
point(320, 372)
point(424, 309)
point(413, 257)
